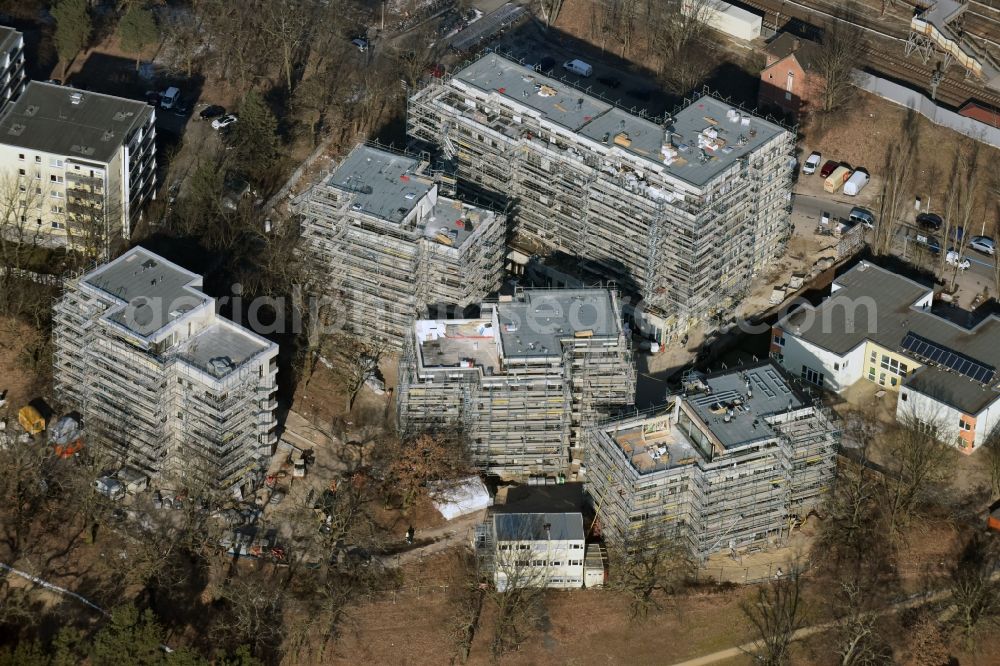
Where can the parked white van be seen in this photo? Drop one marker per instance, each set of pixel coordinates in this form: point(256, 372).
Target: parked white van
point(170, 97)
point(578, 67)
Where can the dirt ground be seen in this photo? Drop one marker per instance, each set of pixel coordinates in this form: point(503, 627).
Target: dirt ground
point(16, 380)
point(861, 134)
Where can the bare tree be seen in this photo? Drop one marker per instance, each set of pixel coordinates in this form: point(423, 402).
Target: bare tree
point(897, 188)
point(549, 10)
point(858, 640)
point(676, 31)
point(356, 361)
point(839, 53)
point(959, 207)
point(992, 452)
point(653, 562)
point(775, 611)
point(975, 586)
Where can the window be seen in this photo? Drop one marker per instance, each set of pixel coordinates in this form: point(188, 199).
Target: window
point(893, 366)
point(20, 156)
point(55, 162)
point(57, 209)
point(881, 379)
point(964, 425)
point(56, 194)
point(904, 396)
point(504, 547)
point(538, 563)
point(38, 159)
point(58, 225)
point(779, 340)
point(836, 366)
point(812, 376)
point(20, 172)
point(56, 179)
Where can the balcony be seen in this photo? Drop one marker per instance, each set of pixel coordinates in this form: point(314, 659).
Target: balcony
point(76, 178)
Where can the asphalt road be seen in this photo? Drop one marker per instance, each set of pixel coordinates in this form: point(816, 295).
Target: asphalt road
point(811, 207)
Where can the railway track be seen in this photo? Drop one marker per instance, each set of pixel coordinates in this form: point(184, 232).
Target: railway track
point(883, 51)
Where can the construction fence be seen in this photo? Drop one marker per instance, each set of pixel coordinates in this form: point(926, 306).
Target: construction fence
point(926, 107)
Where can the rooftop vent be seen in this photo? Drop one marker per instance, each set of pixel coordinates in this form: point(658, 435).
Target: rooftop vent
point(123, 115)
point(31, 110)
point(220, 365)
point(16, 129)
point(107, 136)
point(83, 150)
point(75, 98)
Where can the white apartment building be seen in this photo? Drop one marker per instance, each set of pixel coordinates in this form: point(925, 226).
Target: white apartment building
point(12, 76)
point(884, 328)
point(534, 549)
point(165, 383)
point(83, 164)
point(680, 211)
point(389, 244)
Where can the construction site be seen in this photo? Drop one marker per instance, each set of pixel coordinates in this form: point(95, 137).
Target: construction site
point(387, 244)
point(730, 463)
point(161, 380)
point(523, 381)
point(680, 211)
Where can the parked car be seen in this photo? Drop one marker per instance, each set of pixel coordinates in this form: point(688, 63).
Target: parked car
point(933, 245)
point(361, 43)
point(277, 497)
point(212, 111)
point(578, 67)
point(828, 167)
point(182, 108)
point(930, 221)
point(609, 81)
point(812, 163)
point(983, 244)
point(954, 259)
point(110, 487)
point(170, 97)
point(862, 216)
point(153, 97)
point(224, 121)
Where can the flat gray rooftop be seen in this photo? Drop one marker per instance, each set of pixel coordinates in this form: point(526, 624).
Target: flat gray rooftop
point(562, 104)
point(384, 184)
point(452, 219)
point(45, 118)
point(534, 323)
point(532, 526)
point(157, 292)
point(747, 396)
point(557, 102)
point(221, 348)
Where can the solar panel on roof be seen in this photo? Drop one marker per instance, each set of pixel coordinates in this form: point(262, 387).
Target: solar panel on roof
point(947, 358)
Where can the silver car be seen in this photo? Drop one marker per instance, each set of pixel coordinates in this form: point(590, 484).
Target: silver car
point(983, 244)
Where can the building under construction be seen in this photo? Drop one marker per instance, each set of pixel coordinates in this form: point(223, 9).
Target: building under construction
point(163, 381)
point(680, 211)
point(729, 463)
point(523, 380)
point(387, 244)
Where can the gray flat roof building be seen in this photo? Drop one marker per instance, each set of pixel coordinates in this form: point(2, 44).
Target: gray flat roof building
point(66, 121)
point(538, 526)
point(384, 184)
point(681, 211)
point(535, 324)
point(160, 378)
point(699, 158)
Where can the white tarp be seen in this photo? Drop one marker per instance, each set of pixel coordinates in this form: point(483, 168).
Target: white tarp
point(460, 498)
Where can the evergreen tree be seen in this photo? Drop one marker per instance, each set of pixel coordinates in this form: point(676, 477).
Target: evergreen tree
point(137, 30)
point(73, 29)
